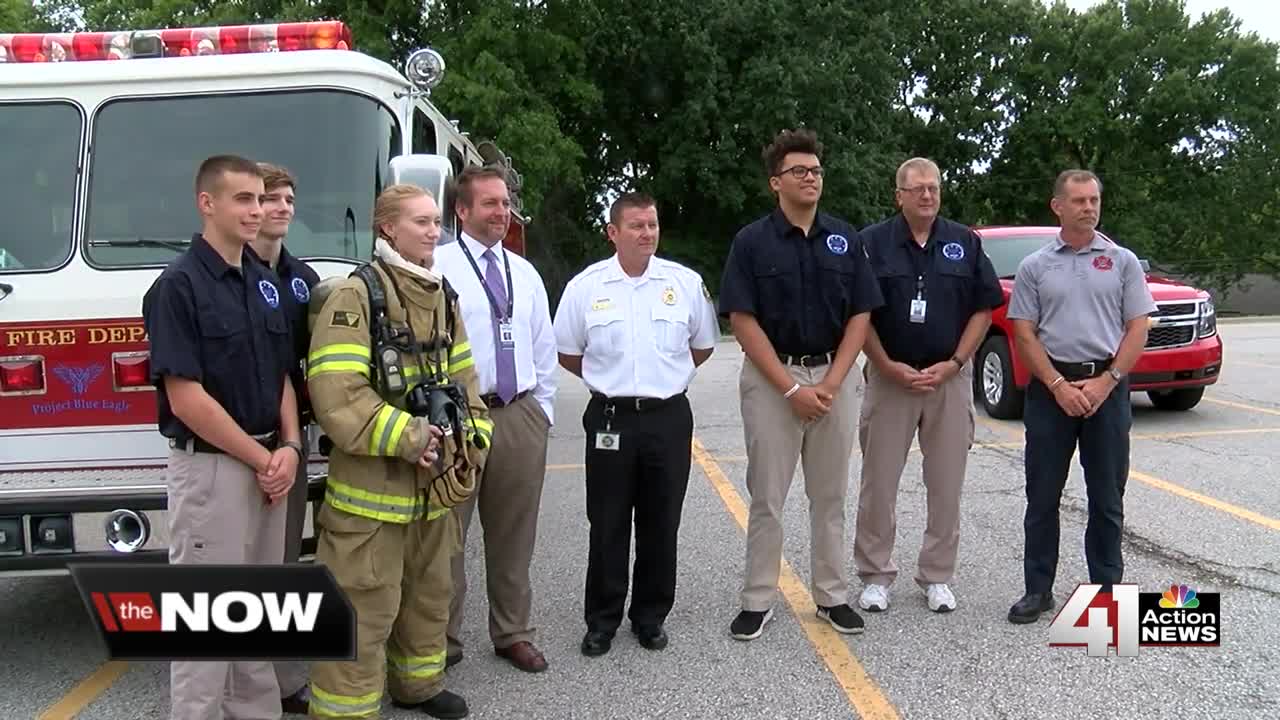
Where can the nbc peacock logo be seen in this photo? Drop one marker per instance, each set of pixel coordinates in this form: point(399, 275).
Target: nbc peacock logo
point(1179, 596)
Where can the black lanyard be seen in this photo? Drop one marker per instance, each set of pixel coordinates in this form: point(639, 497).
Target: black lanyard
point(493, 301)
point(920, 257)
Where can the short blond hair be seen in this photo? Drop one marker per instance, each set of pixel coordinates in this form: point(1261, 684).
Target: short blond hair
point(920, 164)
point(386, 209)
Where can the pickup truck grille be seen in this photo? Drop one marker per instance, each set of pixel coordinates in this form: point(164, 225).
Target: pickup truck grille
point(1170, 336)
point(1169, 309)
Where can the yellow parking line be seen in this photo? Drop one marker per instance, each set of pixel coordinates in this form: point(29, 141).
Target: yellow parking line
point(1242, 406)
point(1214, 503)
point(86, 692)
point(1186, 493)
point(863, 692)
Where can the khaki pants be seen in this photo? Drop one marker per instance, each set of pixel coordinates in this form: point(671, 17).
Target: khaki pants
point(291, 675)
point(891, 416)
point(508, 494)
point(776, 439)
point(397, 579)
point(218, 515)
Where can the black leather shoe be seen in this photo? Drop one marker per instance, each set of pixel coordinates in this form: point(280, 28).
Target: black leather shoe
point(452, 659)
point(596, 643)
point(1028, 609)
point(446, 705)
point(297, 703)
point(651, 637)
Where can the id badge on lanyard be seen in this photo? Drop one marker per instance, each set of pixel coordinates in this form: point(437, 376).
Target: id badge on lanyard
point(919, 305)
point(506, 335)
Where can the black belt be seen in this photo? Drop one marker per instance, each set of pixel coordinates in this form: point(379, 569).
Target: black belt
point(637, 404)
point(1082, 370)
point(493, 401)
point(195, 444)
point(809, 361)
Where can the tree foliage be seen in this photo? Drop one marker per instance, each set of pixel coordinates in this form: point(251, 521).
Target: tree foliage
point(595, 97)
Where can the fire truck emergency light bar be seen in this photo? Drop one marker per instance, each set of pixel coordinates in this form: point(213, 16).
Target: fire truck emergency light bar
point(178, 42)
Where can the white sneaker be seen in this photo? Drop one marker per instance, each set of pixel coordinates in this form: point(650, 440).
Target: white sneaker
point(874, 598)
point(940, 598)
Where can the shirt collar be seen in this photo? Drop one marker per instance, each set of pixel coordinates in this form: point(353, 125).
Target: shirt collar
point(655, 270)
point(212, 260)
point(478, 248)
point(1097, 243)
point(783, 226)
point(902, 232)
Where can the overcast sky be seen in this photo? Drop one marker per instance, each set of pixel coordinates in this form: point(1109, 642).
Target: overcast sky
point(1260, 16)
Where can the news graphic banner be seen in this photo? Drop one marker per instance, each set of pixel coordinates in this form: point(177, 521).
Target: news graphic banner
point(1126, 619)
point(218, 612)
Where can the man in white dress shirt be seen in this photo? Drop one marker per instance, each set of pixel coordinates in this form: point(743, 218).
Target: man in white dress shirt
point(508, 320)
point(634, 328)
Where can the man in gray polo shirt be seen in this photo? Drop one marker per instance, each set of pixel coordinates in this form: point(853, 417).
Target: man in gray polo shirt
point(1080, 307)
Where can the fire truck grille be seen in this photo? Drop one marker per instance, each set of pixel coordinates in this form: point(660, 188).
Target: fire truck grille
point(1171, 336)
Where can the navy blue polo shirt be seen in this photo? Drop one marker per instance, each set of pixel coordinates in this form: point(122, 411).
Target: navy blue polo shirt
point(802, 289)
point(952, 275)
point(296, 278)
point(223, 327)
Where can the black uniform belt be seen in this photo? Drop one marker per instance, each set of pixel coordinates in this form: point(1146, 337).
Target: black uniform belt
point(195, 444)
point(1082, 370)
point(637, 404)
point(808, 361)
point(493, 401)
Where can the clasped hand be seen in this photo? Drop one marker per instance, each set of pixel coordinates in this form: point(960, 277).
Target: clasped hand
point(811, 402)
point(926, 380)
point(277, 475)
point(1082, 398)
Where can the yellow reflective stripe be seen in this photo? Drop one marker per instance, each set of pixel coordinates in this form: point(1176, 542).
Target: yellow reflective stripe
point(388, 508)
point(338, 366)
point(342, 706)
point(416, 667)
point(481, 427)
point(435, 513)
point(388, 426)
point(460, 357)
point(339, 357)
point(412, 371)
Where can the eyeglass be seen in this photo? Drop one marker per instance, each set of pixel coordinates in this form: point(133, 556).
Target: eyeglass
point(922, 189)
point(799, 171)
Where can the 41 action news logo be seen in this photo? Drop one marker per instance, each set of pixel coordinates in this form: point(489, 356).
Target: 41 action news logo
point(218, 612)
point(1126, 619)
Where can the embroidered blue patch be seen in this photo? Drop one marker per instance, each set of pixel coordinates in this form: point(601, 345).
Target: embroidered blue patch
point(953, 251)
point(837, 244)
point(269, 293)
point(300, 289)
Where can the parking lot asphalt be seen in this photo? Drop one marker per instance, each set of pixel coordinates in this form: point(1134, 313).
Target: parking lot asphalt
point(1202, 509)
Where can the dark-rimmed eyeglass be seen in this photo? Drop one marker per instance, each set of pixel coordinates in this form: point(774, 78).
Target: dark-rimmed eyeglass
point(799, 171)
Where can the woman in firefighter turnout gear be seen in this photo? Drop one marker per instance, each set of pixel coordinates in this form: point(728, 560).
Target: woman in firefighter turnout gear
point(385, 529)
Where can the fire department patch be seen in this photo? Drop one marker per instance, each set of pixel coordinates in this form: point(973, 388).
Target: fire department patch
point(1102, 262)
point(342, 318)
point(300, 289)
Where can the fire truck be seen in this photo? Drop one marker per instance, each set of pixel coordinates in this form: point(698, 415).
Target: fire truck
point(97, 165)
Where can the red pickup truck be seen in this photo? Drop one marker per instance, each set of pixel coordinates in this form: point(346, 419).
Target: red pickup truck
point(1182, 357)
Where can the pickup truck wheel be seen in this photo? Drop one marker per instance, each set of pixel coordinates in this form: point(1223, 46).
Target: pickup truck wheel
point(1178, 400)
point(993, 380)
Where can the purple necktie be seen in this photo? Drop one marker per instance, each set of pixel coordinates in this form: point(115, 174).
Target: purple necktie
point(506, 356)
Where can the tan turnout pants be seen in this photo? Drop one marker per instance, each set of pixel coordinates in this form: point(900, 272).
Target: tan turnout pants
point(890, 420)
point(776, 439)
point(397, 579)
point(217, 515)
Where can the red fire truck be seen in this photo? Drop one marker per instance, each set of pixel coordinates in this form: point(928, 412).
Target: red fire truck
point(96, 197)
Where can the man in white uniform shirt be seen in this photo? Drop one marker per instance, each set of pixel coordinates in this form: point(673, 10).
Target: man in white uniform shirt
point(508, 320)
point(634, 328)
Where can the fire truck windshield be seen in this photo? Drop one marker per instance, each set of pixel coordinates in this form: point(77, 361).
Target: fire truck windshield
point(146, 151)
point(39, 152)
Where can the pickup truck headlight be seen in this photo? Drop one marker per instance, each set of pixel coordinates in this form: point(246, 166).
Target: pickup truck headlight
point(1208, 324)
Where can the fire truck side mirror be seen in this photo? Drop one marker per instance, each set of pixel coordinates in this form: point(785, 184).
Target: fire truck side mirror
point(429, 172)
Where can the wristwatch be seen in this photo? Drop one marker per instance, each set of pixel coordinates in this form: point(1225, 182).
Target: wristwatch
point(297, 447)
point(959, 363)
point(1115, 374)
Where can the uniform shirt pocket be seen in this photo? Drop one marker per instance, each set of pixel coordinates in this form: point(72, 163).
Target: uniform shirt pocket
point(671, 329)
point(777, 281)
point(605, 331)
point(224, 343)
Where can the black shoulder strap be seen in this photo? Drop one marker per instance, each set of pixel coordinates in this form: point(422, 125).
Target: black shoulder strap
point(450, 297)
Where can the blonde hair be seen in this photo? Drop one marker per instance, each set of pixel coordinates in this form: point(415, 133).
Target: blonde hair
point(918, 164)
point(386, 209)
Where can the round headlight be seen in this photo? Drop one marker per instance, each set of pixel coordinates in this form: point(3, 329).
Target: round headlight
point(425, 68)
